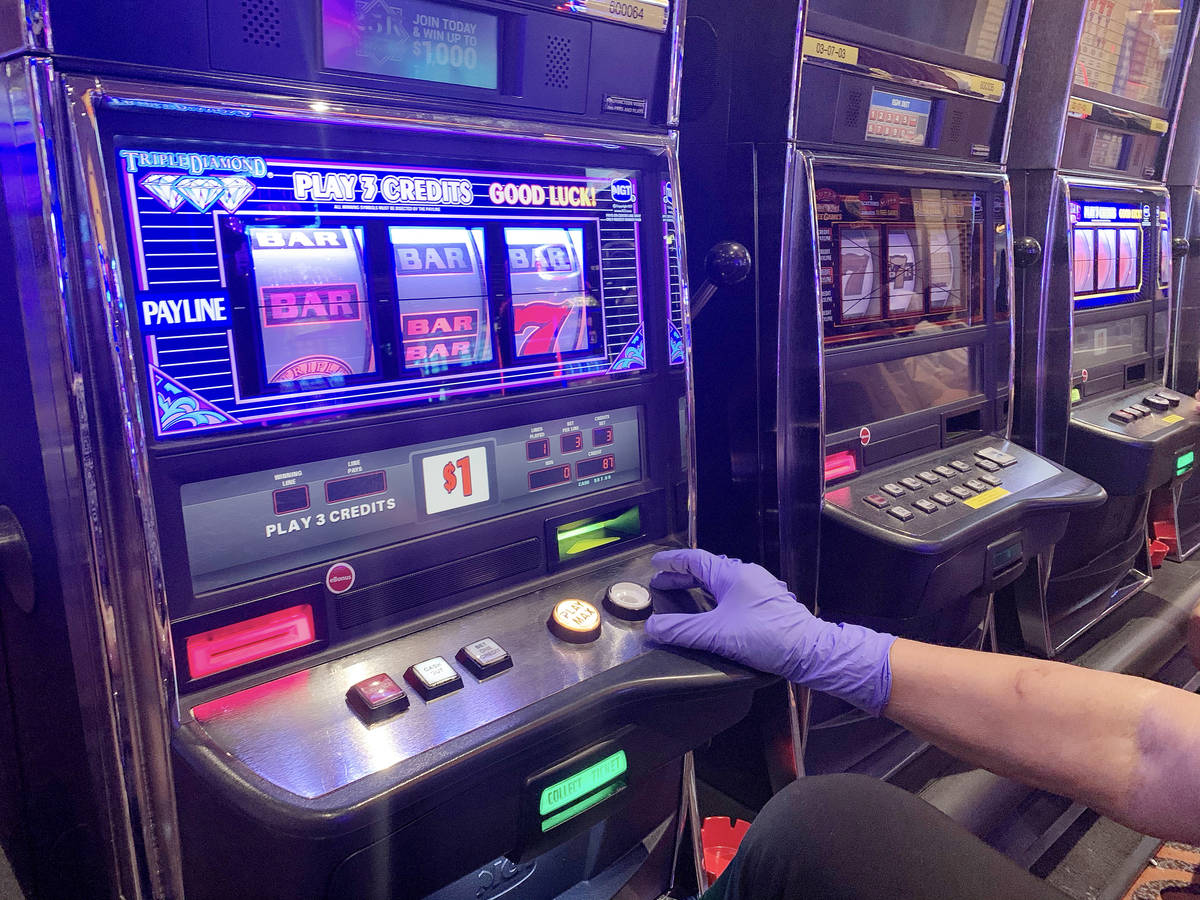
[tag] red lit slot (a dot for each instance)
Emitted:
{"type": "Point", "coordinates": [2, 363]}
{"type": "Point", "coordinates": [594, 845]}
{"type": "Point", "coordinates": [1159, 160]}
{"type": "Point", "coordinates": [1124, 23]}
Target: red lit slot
{"type": "Point", "coordinates": [840, 464]}
{"type": "Point", "coordinates": [235, 645]}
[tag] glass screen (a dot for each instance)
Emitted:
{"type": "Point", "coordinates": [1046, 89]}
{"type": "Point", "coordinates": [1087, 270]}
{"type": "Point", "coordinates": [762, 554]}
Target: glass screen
{"type": "Point", "coordinates": [969, 27]}
{"type": "Point", "coordinates": [898, 261]}
{"type": "Point", "coordinates": [268, 290]}
{"type": "Point", "coordinates": [1107, 148]}
{"type": "Point", "coordinates": [897, 118]}
{"type": "Point", "coordinates": [415, 39]}
{"type": "Point", "coordinates": [1127, 48]}
{"type": "Point", "coordinates": [1108, 342]}
{"type": "Point", "coordinates": [879, 391]}
{"type": "Point", "coordinates": [1107, 246]}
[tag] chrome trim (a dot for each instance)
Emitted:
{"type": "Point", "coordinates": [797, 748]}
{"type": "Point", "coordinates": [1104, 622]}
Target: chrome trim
{"type": "Point", "coordinates": [878, 74]}
{"type": "Point", "coordinates": [672, 158]}
{"type": "Point", "coordinates": [689, 815]}
{"type": "Point", "coordinates": [797, 68]}
{"type": "Point", "coordinates": [25, 28]}
{"type": "Point", "coordinates": [1010, 276]}
{"type": "Point", "coordinates": [678, 26]}
{"type": "Point", "coordinates": [1014, 82]}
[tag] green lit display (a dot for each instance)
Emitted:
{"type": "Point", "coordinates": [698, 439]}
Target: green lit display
{"type": "Point", "coordinates": [597, 531]}
{"type": "Point", "coordinates": [1184, 462]}
{"type": "Point", "coordinates": [570, 790]}
{"type": "Point", "coordinates": [576, 808]}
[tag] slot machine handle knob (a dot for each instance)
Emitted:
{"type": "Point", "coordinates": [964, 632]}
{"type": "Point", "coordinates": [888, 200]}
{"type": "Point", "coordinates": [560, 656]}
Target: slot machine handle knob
{"type": "Point", "coordinates": [1026, 252]}
{"type": "Point", "coordinates": [16, 564]}
{"type": "Point", "coordinates": [1180, 247]}
{"type": "Point", "coordinates": [726, 264]}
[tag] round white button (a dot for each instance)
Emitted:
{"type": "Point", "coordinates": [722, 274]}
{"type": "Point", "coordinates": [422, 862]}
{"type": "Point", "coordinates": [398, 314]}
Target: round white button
{"type": "Point", "coordinates": [628, 600]}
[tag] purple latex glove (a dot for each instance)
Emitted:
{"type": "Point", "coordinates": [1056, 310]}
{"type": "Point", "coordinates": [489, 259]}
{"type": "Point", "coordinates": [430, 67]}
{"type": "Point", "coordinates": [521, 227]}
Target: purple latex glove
{"type": "Point", "coordinates": [759, 623]}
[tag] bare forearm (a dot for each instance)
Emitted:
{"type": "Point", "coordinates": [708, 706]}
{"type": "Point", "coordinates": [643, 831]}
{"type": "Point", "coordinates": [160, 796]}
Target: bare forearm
{"type": "Point", "coordinates": [1097, 737]}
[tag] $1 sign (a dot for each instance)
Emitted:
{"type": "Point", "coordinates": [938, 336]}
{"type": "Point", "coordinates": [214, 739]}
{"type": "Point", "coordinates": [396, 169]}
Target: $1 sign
{"type": "Point", "coordinates": [450, 479]}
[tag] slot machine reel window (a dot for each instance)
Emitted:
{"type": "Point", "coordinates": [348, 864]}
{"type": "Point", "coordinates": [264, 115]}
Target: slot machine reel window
{"type": "Point", "coordinates": [1108, 342]}
{"type": "Point", "coordinates": [1127, 48]}
{"type": "Point", "coordinates": [555, 313]}
{"type": "Point", "coordinates": [442, 297]}
{"type": "Point", "coordinates": [899, 262]}
{"type": "Point", "coordinates": [309, 294]}
{"type": "Point", "coordinates": [1106, 253]}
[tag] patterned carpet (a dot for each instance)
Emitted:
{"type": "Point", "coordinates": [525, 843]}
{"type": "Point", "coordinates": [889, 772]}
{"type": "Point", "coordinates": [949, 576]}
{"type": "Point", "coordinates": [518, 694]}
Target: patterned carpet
{"type": "Point", "coordinates": [1173, 874]}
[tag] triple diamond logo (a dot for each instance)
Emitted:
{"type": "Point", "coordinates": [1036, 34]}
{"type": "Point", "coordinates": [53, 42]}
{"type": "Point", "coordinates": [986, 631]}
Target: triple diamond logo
{"type": "Point", "coordinates": [380, 20]}
{"type": "Point", "coordinates": [202, 192]}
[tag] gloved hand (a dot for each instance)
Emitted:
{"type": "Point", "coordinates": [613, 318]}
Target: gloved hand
{"type": "Point", "coordinates": [759, 623]}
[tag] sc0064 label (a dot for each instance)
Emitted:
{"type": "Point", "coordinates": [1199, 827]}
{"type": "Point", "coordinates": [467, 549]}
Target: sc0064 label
{"type": "Point", "coordinates": [650, 14]}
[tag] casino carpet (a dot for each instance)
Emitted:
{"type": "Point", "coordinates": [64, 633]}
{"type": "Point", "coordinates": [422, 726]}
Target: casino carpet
{"type": "Point", "coordinates": [1172, 874]}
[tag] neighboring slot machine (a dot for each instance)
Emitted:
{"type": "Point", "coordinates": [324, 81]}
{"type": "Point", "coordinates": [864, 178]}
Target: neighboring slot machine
{"type": "Point", "coordinates": [1175, 510]}
{"type": "Point", "coordinates": [879, 194]}
{"type": "Point", "coordinates": [383, 407]}
{"type": "Point", "coordinates": [1094, 316]}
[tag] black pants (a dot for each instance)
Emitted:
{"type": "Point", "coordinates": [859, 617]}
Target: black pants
{"type": "Point", "coordinates": [853, 837]}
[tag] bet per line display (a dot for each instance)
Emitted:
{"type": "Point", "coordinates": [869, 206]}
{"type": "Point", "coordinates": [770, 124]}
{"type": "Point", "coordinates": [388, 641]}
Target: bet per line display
{"type": "Point", "coordinates": [258, 524]}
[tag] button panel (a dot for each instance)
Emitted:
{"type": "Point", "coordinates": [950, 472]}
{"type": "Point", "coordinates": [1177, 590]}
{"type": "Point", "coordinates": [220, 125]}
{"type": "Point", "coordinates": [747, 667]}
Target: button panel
{"type": "Point", "coordinates": [945, 471]}
{"type": "Point", "coordinates": [926, 506]}
{"type": "Point", "coordinates": [960, 465]}
{"type": "Point", "coordinates": [893, 489]}
{"type": "Point", "coordinates": [944, 499]}
{"type": "Point", "coordinates": [991, 479]}
{"type": "Point", "coordinates": [899, 512]}
{"type": "Point", "coordinates": [928, 477]}
{"type": "Point", "coordinates": [961, 492]}
{"type": "Point", "coordinates": [913, 484]}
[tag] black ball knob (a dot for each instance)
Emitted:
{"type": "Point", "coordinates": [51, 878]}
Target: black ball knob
{"type": "Point", "coordinates": [1026, 252]}
{"type": "Point", "coordinates": [727, 263]}
{"type": "Point", "coordinates": [1180, 247]}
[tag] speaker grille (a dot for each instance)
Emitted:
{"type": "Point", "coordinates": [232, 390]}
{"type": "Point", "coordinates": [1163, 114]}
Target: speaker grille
{"type": "Point", "coordinates": [426, 585]}
{"type": "Point", "coordinates": [954, 131]}
{"type": "Point", "coordinates": [558, 61]}
{"type": "Point", "coordinates": [852, 108]}
{"type": "Point", "coordinates": [260, 23]}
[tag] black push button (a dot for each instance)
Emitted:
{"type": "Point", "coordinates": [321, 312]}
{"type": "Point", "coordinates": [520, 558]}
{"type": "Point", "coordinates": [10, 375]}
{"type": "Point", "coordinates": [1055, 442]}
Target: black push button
{"type": "Point", "coordinates": [484, 658]}
{"type": "Point", "coordinates": [987, 465]}
{"type": "Point", "coordinates": [926, 506]}
{"type": "Point", "coordinates": [960, 465]}
{"type": "Point", "coordinates": [376, 698]}
{"type": "Point", "coordinates": [900, 513]}
{"type": "Point", "coordinates": [945, 471]}
{"type": "Point", "coordinates": [1133, 412]}
{"type": "Point", "coordinates": [943, 498]}
{"type": "Point", "coordinates": [961, 492]}
{"type": "Point", "coordinates": [1173, 399]}
{"type": "Point", "coordinates": [912, 483]}
{"type": "Point", "coordinates": [1121, 417]}
{"type": "Point", "coordinates": [892, 488]}
{"type": "Point", "coordinates": [999, 457]}
{"type": "Point", "coordinates": [878, 501]}
{"type": "Point", "coordinates": [928, 477]}
{"type": "Point", "coordinates": [433, 678]}
{"type": "Point", "coordinates": [978, 484]}
{"type": "Point", "coordinates": [1139, 408]}
{"type": "Point", "coordinates": [991, 479]}
{"type": "Point", "coordinates": [1156, 403]}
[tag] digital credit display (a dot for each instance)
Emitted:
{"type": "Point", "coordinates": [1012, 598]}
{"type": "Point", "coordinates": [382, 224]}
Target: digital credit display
{"type": "Point", "coordinates": [413, 39]}
{"type": "Point", "coordinates": [897, 118]}
{"type": "Point", "coordinates": [258, 524]}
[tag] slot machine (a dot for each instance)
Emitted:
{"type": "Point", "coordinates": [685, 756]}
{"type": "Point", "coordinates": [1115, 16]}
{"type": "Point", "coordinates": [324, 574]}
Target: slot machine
{"type": "Point", "coordinates": [861, 164]}
{"type": "Point", "coordinates": [1094, 303]}
{"type": "Point", "coordinates": [1175, 510]}
{"type": "Point", "coordinates": [349, 348]}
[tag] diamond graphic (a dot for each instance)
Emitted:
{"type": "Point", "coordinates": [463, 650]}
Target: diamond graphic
{"type": "Point", "coordinates": [237, 189]}
{"type": "Point", "coordinates": [201, 191]}
{"type": "Point", "coordinates": [162, 186]}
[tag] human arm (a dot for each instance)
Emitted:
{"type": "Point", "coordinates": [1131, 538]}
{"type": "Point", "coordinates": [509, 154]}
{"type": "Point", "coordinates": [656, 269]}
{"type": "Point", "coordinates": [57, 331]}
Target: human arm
{"type": "Point", "coordinates": [1128, 747]}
